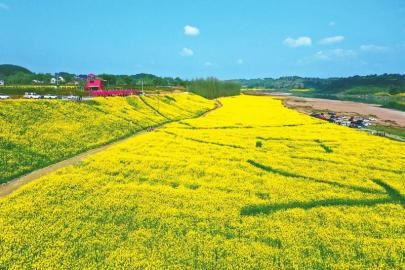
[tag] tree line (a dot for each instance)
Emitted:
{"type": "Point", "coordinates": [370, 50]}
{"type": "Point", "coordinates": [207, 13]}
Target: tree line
{"type": "Point", "coordinates": [392, 83]}
{"type": "Point", "coordinates": [213, 88]}
{"type": "Point", "coordinates": [209, 88]}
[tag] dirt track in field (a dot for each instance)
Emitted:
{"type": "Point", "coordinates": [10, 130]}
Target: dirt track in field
{"type": "Point", "coordinates": [11, 186]}
{"type": "Point", "coordinates": [384, 116]}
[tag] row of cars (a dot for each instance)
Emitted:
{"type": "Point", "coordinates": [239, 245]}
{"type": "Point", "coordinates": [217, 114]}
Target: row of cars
{"type": "Point", "coordinates": [32, 95]}
{"type": "Point", "coordinates": [4, 96]}
{"type": "Point", "coordinates": [350, 121]}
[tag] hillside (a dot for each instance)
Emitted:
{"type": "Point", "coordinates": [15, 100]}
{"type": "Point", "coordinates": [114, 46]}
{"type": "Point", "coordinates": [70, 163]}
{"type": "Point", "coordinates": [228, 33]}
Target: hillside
{"type": "Point", "coordinates": [387, 90]}
{"type": "Point", "coordinates": [34, 134]}
{"type": "Point", "coordinates": [7, 70]}
{"type": "Point", "coordinates": [392, 83]}
{"type": "Point", "coordinates": [251, 185]}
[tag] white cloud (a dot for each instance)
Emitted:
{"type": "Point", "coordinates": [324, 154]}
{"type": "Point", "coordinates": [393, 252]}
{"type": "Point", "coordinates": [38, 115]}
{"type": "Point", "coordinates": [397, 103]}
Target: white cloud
{"type": "Point", "coordinates": [301, 41]}
{"type": "Point", "coordinates": [186, 52]}
{"type": "Point", "coordinates": [331, 40]}
{"type": "Point", "coordinates": [191, 30]}
{"type": "Point", "coordinates": [239, 61]}
{"type": "Point", "coordinates": [208, 64]}
{"type": "Point", "coordinates": [336, 54]}
{"type": "Point", "coordinates": [332, 23]}
{"type": "Point", "coordinates": [342, 53]}
{"type": "Point", "coordinates": [3, 6]}
{"type": "Point", "coordinates": [322, 56]}
{"type": "Point", "coordinates": [373, 48]}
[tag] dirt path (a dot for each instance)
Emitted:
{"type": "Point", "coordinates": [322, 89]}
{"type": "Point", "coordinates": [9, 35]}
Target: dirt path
{"type": "Point", "coordinates": [384, 116]}
{"type": "Point", "coordinates": [11, 186]}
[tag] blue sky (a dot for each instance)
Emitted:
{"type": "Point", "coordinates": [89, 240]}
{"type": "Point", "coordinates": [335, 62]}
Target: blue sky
{"type": "Point", "coordinates": [227, 39]}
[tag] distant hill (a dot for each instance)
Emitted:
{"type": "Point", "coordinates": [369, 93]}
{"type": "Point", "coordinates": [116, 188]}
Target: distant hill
{"type": "Point", "coordinates": [390, 83]}
{"type": "Point", "coordinates": [386, 89]}
{"type": "Point", "coordinates": [7, 70]}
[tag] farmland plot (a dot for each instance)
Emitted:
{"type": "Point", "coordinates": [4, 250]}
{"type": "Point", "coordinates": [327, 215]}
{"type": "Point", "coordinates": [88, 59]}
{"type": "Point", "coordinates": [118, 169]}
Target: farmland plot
{"type": "Point", "coordinates": [34, 134]}
{"type": "Point", "coordinates": [252, 185]}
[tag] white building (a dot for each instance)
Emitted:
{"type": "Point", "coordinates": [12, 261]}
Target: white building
{"type": "Point", "coordinates": [1, 82]}
{"type": "Point", "coordinates": [60, 80]}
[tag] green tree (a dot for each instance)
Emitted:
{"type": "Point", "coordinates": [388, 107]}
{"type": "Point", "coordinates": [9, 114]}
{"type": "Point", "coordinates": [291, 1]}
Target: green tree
{"type": "Point", "coordinates": [213, 88]}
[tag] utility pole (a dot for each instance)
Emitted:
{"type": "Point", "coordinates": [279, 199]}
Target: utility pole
{"type": "Point", "coordinates": [56, 79]}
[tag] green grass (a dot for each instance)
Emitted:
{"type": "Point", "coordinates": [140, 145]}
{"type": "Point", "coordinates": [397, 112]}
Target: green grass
{"type": "Point", "coordinates": [364, 90]}
{"type": "Point", "coordinates": [395, 104]}
{"type": "Point", "coordinates": [398, 131]}
{"type": "Point", "coordinates": [255, 89]}
{"type": "Point", "coordinates": [301, 90]}
{"type": "Point", "coordinates": [382, 94]}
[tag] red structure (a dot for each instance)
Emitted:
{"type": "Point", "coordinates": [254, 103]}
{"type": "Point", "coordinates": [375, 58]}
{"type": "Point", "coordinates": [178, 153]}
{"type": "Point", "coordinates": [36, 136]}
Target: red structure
{"type": "Point", "coordinates": [93, 83]}
{"type": "Point", "coordinates": [95, 86]}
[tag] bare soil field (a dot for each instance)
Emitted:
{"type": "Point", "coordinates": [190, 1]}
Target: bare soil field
{"type": "Point", "coordinates": [383, 116]}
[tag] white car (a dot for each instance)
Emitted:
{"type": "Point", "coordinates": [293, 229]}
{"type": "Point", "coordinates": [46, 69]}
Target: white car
{"type": "Point", "coordinates": [4, 96]}
{"type": "Point", "coordinates": [72, 97]}
{"type": "Point", "coordinates": [31, 95]}
{"type": "Point", "coordinates": [49, 96]}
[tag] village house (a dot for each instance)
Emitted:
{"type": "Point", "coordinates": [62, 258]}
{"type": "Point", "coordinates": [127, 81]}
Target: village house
{"type": "Point", "coordinates": [54, 80]}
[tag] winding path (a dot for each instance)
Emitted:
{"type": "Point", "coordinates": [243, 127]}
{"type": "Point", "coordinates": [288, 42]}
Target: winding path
{"type": "Point", "coordinates": [12, 185]}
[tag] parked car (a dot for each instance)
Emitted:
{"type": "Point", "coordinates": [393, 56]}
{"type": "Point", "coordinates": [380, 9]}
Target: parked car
{"type": "Point", "coordinates": [366, 122]}
{"type": "Point", "coordinates": [4, 96]}
{"type": "Point", "coordinates": [49, 96]}
{"type": "Point", "coordinates": [357, 123]}
{"type": "Point", "coordinates": [74, 98]}
{"type": "Point", "coordinates": [319, 116]}
{"type": "Point", "coordinates": [31, 95]}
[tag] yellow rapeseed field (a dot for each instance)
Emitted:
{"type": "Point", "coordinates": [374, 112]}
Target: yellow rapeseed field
{"type": "Point", "coordinates": [252, 185]}
{"type": "Point", "coordinates": [35, 133]}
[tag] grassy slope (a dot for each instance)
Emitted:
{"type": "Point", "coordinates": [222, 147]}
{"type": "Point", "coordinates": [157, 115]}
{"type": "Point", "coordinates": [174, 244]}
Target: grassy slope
{"type": "Point", "coordinates": [199, 194]}
{"type": "Point", "coordinates": [34, 134]}
{"type": "Point", "coordinates": [374, 95]}
{"type": "Point", "coordinates": [7, 69]}
{"type": "Point", "coordinates": [398, 131]}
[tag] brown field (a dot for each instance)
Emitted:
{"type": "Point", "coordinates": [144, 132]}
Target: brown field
{"type": "Point", "coordinates": [383, 116]}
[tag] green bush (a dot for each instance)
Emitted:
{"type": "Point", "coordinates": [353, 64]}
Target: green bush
{"type": "Point", "coordinates": [395, 104]}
